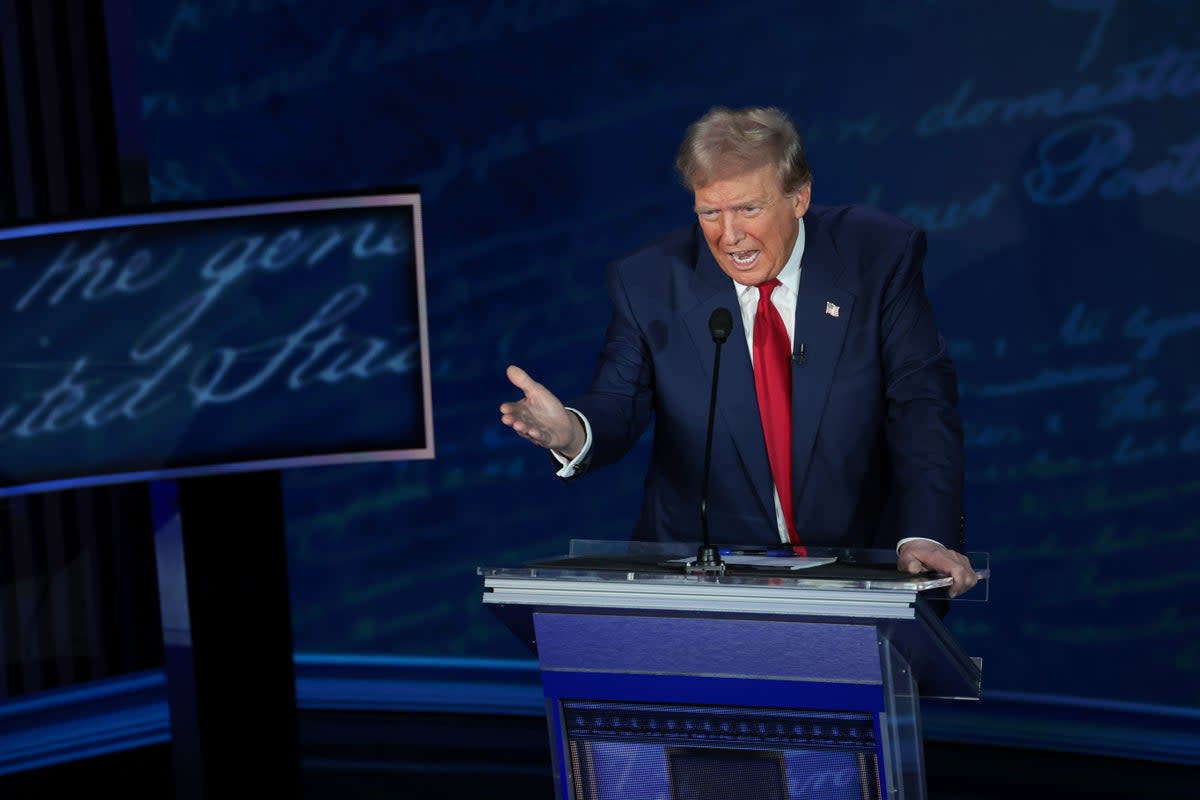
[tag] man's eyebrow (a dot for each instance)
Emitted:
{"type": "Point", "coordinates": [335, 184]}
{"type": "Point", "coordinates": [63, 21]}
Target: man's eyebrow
{"type": "Point", "coordinates": [752, 203]}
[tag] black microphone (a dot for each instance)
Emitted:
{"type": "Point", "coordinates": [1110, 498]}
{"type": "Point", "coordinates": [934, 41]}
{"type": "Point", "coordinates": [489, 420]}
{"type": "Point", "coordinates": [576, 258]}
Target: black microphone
{"type": "Point", "coordinates": [708, 558]}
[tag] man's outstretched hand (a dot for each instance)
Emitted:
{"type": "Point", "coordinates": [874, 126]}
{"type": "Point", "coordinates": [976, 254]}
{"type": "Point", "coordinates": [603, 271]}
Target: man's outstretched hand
{"type": "Point", "coordinates": [923, 555]}
{"type": "Point", "coordinates": [540, 417]}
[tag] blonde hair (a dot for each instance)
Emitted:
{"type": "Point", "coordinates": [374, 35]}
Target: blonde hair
{"type": "Point", "coordinates": [728, 141]}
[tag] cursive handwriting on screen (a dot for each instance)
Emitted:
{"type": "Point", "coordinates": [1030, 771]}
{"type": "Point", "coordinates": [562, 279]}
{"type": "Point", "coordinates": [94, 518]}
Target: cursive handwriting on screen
{"type": "Point", "coordinates": [157, 327]}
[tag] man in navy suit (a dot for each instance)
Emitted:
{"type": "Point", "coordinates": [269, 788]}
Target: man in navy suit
{"type": "Point", "coordinates": [871, 449]}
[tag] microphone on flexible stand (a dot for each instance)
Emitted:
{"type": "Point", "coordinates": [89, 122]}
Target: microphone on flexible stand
{"type": "Point", "coordinates": [708, 558]}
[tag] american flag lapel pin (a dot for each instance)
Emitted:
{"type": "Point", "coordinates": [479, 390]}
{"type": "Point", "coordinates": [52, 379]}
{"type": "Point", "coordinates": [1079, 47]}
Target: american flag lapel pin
{"type": "Point", "coordinates": [831, 309]}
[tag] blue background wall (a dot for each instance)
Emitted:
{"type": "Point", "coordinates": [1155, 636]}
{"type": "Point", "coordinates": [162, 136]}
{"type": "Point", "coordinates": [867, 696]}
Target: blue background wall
{"type": "Point", "coordinates": [1051, 148]}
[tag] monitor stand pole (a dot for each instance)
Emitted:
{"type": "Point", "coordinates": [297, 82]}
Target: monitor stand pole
{"type": "Point", "coordinates": [226, 615]}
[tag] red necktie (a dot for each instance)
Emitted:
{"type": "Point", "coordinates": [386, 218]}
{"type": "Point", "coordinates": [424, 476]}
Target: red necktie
{"type": "Point", "coordinates": [773, 385]}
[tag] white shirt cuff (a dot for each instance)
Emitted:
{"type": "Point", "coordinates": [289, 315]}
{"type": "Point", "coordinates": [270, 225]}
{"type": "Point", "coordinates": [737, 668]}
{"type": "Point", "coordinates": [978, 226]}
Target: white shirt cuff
{"type": "Point", "coordinates": [569, 465]}
{"type": "Point", "coordinates": [900, 543]}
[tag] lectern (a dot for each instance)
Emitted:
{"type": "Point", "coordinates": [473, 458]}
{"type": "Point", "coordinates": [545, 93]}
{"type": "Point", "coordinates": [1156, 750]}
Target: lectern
{"type": "Point", "coordinates": [767, 681]}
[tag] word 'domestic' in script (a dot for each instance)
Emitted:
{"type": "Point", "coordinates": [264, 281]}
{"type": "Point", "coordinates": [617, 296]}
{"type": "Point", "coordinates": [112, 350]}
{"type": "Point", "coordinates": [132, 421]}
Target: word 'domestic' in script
{"type": "Point", "coordinates": [183, 339]}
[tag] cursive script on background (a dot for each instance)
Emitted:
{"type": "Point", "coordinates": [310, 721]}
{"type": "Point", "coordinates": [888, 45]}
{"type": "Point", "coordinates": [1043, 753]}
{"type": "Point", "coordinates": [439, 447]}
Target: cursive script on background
{"type": "Point", "coordinates": [1062, 166]}
{"type": "Point", "coordinates": [129, 337]}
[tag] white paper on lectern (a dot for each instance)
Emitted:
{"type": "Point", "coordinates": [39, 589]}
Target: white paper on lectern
{"type": "Point", "coordinates": [774, 562]}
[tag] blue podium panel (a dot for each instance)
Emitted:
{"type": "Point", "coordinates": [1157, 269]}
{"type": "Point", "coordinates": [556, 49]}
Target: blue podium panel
{"type": "Point", "coordinates": [678, 706]}
{"type": "Point", "coordinates": [713, 646]}
{"type": "Point", "coordinates": [660, 683]}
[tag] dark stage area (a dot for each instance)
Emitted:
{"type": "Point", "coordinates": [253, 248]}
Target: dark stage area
{"type": "Point", "coordinates": [354, 756]}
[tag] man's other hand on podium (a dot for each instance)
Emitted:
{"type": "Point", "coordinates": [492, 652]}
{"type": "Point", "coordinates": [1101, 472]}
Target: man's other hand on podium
{"type": "Point", "coordinates": [924, 555]}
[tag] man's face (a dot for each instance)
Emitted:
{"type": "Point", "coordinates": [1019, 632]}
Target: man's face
{"type": "Point", "coordinates": [749, 223]}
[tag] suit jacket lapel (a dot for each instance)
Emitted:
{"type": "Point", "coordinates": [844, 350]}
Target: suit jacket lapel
{"type": "Point", "coordinates": [823, 314]}
{"type": "Point", "coordinates": [737, 405]}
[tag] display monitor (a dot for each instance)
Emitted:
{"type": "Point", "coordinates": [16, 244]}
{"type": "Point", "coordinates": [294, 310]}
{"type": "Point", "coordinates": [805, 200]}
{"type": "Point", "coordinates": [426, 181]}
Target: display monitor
{"type": "Point", "coordinates": [713, 752]}
{"type": "Point", "coordinates": [208, 338]}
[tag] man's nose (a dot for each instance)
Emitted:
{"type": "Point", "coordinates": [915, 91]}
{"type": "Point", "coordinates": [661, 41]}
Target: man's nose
{"type": "Point", "coordinates": [731, 231]}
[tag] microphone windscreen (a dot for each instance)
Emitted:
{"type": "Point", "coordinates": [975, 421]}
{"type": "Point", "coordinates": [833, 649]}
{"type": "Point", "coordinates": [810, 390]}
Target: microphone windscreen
{"type": "Point", "coordinates": [720, 324]}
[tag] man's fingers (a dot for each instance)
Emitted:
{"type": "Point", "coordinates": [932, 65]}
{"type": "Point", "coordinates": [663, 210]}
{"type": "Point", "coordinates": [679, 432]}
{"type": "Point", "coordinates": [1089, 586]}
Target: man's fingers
{"type": "Point", "coordinates": [958, 567]}
{"type": "Point", "coordinates": [964, 578]}
{"type": "Point", "coordinates": [521, 379]}
{"type": "Point", "coordinates": [921, 557]}
{"type": "Point", "coordinates": [512, 412]}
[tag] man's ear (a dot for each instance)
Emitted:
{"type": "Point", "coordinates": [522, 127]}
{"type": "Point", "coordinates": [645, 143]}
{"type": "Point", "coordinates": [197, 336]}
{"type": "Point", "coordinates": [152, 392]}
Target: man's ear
{"type": "Point", "coordinates": [801, 199]}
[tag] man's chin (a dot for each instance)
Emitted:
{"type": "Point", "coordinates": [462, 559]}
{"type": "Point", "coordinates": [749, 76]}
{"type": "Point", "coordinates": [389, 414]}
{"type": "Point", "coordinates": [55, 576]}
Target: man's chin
{"type": "Point", "coordinates": [747, 277]}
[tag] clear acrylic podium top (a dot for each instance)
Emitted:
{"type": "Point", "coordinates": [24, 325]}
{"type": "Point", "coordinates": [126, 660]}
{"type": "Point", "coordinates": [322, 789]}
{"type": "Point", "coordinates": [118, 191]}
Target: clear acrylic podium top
{"type": "Point", "coordinates": [863, 570]}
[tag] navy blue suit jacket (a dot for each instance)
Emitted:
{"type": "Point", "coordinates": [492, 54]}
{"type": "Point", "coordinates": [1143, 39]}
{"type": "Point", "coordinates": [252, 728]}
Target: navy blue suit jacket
{"type": "Point", "coordinates": [876, 436]}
